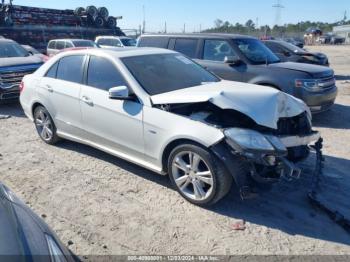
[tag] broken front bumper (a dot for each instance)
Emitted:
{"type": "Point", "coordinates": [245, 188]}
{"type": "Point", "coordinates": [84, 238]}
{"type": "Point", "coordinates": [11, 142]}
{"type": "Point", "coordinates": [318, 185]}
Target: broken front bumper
{"type": "Point", "coordinates": [265, 166]}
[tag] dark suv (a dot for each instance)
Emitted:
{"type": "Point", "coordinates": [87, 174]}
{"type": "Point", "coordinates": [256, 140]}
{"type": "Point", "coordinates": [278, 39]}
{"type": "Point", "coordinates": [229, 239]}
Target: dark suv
{"type": "Point", "coordinates": [247, 59]}
{"type": "Point", "coordinates": [15, 62]}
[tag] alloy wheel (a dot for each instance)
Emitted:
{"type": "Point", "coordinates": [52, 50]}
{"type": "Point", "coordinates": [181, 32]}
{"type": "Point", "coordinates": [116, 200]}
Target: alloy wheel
{"type": "Point", "coordinates": [192, 176]}
{"type": "Point", "coordinates": [44, 125]}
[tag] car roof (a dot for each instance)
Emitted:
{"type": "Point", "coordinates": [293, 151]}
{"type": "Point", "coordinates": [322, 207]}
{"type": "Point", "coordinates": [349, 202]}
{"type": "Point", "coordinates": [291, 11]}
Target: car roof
{"type": "Point", "coordinates": [113, 36]}
{"type": "Point", "coordinates": [202, 35]}
{"type": "Point", "coordinates": [68, 39]}
{"type": "Point", "coordinates": [120, 52]}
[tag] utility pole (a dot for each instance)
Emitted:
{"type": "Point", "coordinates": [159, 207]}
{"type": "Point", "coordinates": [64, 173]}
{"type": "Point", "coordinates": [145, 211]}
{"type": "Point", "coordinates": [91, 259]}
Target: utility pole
{"type": "Point", "coordinates": [200, 28]}
{"type": "Point", "coordinates": [144, 20]}
{"type": "Point", "coordinates": [184, 31]}
{"type": "Point", "coordinates": [279, 7]}
{"type": "Point", "coordinates": [165, 28]}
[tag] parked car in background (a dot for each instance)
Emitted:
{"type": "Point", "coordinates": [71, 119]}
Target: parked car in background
{"type": "Point", "coordinates": [115, 41]}
{"type": "Point", "coordinates": [295, 41]}
{"type": "Point", "coordinates": [247, 59]}
{"type": "Point", "coordinates": [287, 52]}
{"type": "Point", "coordinates": [54, 46]}
{"type": "Point", "coordinates": [15, 62]}
{"type": "Point", "coordinates": [35, 52]}
{"type": "Point", "coordinates": [24, 236]}
{"type": "Point", "coordinates": [331, 38]}
{"type": "Point", "coordinates": [203, 131]}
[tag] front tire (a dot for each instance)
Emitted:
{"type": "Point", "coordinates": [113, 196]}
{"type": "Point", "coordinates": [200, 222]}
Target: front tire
{"type": "Point", "coordinates": [45, 126]}
{"type": "Point", "coordinates": [198, 175]}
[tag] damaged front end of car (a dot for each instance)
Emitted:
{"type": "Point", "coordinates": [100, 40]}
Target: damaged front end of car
{"type": "Point", "coordinates": [267, 157]}
{"type": "Point", "coordinates": [266, 131]}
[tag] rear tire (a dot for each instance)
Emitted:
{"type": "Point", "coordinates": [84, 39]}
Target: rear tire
{"type": "Point", "coordinates": [198, 175]}
{"type": "Point", "coordinates": [45, 126]}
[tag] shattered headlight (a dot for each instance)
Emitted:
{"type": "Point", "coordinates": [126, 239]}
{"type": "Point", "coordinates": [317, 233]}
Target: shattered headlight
{"type": "Point", "coordinates": [246, 139]}
{"type": "Point", "coordinates": [250, 140]}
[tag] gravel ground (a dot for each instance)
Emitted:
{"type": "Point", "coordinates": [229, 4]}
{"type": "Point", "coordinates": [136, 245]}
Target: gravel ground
{"type": "Point", "coordinates": [105, 205]}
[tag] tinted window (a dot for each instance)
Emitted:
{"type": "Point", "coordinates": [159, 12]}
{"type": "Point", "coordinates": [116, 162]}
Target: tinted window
{"type": "Point", "coordinates": [70, 69]}
{"type": "Point", "coordinates": [60, 45]}
{"type": "Point", "coordinates": [69, 45]}
{"type": "Point", "coordinates": [103, 74]}
{"type": "Point", "coordinates": [128, 42]}
{"type": "Point", "coordinates": [52, 71]}
{"type": "Point", "coordinates": [82, 43]}
{"type": "Point", "coordinates": [109, 42]}
{"type": "Point", "coordinates": [163, 73]}
{"type": "Point", "coordinates": [52, 45]}
{"type": "Point", "coordinates": [187, 47]}
{"type": "Point", "coordinates": [255, 51]}
{"type": "Point", "coordinates": [161, 42]}
{"type": "Point", "coordinates": [217, 50]}
{"type": "Point", "coordinates": [274, 47]}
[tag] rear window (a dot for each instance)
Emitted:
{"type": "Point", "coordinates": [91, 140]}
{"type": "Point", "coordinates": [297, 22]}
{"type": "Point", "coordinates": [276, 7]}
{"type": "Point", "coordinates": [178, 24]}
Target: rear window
{"type": "Point", "coordinates": [84, 44]}
{"type": "Point", "coordinates": [187, 47]}
{"type": "Point", "coordinates": [70, 69]}
{"type": "Point", "coordinates": [60, 45]}
{"type": "Point", "coordinates": [160, 42]}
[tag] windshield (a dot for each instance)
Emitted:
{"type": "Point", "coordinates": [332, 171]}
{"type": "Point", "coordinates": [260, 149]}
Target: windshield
{"type": "Point", "coordinates": [255, 51]}
{"type": "Point", "coordinates": [162, 73]}
{"type": "Point", "coordinates": [84, 44]}
{"type": "Point", "coordinates": [12, 49]}
{"type": "Point", "coordinates": [128, 41]}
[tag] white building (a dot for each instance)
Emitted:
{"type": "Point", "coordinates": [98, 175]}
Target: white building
{"type": "Point", "coordinates": [344, 31]}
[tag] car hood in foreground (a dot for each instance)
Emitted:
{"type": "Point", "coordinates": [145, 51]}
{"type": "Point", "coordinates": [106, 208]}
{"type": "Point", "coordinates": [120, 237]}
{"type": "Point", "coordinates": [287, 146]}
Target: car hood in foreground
{"type": "Point", "coordinates": [313, 70]}
{"type": "Point", "coordinates": [264, 105]}
{"type": "Point", "coordinates": [17, 61]}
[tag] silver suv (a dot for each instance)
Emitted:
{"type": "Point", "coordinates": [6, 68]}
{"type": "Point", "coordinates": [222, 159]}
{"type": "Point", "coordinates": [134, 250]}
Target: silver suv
{"type": "Point", "coordinates": [55, 46]}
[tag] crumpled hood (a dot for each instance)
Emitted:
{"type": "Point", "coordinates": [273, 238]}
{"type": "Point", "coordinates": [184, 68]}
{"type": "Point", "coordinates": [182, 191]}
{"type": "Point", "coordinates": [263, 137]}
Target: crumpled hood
{"type": "Point", "coordinates": [17, 61]}
{"type": "Point", "coordinates": [264, 105]}
{"type": "Point", "coordinates": [315, 71]}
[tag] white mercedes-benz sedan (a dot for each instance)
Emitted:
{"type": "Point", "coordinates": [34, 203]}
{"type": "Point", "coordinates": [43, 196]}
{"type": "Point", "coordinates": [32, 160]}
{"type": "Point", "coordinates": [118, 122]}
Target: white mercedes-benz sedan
{"type": "Point", "coordinates": [161, 110]}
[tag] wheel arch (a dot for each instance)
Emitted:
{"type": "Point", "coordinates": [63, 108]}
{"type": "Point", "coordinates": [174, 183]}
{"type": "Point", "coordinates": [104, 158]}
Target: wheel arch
{"type": "Point", "coordinates": [174, 143]}
{"type": "Point", "coordinates": [269, 85]}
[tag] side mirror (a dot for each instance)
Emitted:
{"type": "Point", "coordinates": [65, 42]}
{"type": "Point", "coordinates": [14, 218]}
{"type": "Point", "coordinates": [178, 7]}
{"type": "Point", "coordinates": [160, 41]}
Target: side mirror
{"type": "Point", "coordinates": [119, 93]}
{"type": "Point", "coordinates": [232, 60]}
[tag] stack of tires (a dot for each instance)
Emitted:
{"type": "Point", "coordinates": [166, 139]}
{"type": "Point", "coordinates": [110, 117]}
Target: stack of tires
{"type": "Point", "coordinates": [98, 17]}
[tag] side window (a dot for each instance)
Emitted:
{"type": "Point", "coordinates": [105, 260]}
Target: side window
{"type": "Point", "coordinates": [52, 72]}
{"type": "Point", "coordinates": [217, 50]}
{"type": "Point", "coordinates": [60, 45]}
{"type": "Point", "coordinates": [69, 45]}
{"type": "Point", "coordinates": [70, 69]}
{"type": "Point", "coordinates": [160, 42]}
{"type": "Point", "coordinates": [52, 45]}
{"type": "Point", "coordinates": [187, 47]}
{"type": "Point", "coordinates": [103, 74]}
{"type": "Point", "coordinates": [274, 48]}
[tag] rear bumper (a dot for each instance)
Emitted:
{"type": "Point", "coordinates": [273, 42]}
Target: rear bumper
{"type": "Point", "coordinates": [320, 101]}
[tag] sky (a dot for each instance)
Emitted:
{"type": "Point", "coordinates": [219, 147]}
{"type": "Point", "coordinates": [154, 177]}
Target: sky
{"type": "Point", "coordinates": [198, 14]}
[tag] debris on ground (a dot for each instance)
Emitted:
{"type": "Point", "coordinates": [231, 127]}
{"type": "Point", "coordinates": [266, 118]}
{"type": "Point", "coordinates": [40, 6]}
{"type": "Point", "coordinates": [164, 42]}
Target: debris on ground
{"type": "Point", "coordinates": [239, 226]}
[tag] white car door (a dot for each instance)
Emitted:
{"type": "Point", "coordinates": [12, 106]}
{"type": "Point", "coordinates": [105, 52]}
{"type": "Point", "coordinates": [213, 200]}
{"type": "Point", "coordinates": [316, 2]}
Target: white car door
{"type": "Point", "coordinates": [112, 124]}
{"type": "Point", "coordinates": [59, 91]}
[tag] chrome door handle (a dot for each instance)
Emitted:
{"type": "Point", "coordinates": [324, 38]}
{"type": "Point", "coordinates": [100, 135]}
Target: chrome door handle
{"type": "Point", "coordinates": [49, 88]}
{"type": "Point", "coordinates": [87, 100]}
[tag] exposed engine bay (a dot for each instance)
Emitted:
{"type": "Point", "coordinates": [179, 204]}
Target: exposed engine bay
{"type": "Point", "coordinates": [290, 143]}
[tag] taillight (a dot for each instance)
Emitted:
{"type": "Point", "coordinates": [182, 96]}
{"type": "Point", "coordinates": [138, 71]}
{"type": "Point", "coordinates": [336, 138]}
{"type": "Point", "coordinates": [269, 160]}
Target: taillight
{"type": "Point", "coordinates": [21, 87]}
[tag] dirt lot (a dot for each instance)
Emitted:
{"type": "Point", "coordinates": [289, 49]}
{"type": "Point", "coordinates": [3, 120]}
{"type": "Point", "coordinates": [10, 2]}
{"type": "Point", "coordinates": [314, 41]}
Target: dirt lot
{"type": "Point", "coordinates": [108, 206]}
